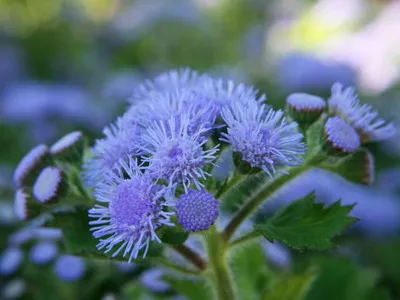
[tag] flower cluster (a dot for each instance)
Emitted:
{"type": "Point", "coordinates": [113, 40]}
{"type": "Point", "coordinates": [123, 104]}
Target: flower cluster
{"type": "Point", "coordinates": [153, 163]}
{"type": "Point", "coordinates": [349, 123]}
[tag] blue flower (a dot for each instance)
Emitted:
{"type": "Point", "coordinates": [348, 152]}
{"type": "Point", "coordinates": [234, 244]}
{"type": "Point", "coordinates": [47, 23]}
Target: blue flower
{"type": "Point", "coordinates": [170, 81]}
{"type": "Point", "coordinates": [264, 138]}
{"type": "Point", "coordinates": [10, 261]}
{"type": "Point", "coordinates": [20, 204]}
{"type": "Point", "coordinates": [119, 143]}
{"type": "Point", "coordinates": [49, 185]}
{"type": "Point", "coordinates": [344, 102]}
{"type": "Point", "coordinates": [135, 208]}
{"type": "Point", "coordinates": [197, 210]}
{"type": "Point", "coordinates": [66, 142]}
{"type": "Point", "coordinates": [176, 154]}
{"type": "Point", "coordinates": [342, 136]}
{"type": "Point", "coordinates": [163, 106]}
{"type": "Point", "coordinates": [70, 268]}
{"type": "Point", "coordinates": [43, 253]}
{"type": "Point", "coordinates": [29, 164]}
{"type": "Point", "coordinates": [303, 102]}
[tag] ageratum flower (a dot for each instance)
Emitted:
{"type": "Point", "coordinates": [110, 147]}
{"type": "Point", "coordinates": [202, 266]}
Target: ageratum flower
{"type": "Point", "coordinates": [43, 253]}
{"type": "Point", "coordinates": [170, 81]}
{"type": "Point", "coordinates": [29, 164]}
{"type": "Point", "coordinates": [341, 136]}
{"type": "Point", "coordinates": [263, 138]}
{"type": "Point", "coordinates": [177, 155]}
{"type": "Point", "coordinates": [344, 102]}
{"type": "Point", "coordinates": [134, 208]}
{"type": "Point", "coordinates": [69, 268]}
{"type": "Point", "coordinates": [50, 185]}
{"type": "Point", "coordinates": [197, 210]}
{"type": "Point", "coordinates": [20, 204]}
{"type": "Point", "coordinates": [163, 106]}
{"type": "Point", "coordinates": [66, 142]}
{"type": "Point", "coordinates": [119, 143]}
{"type": "Point", "coordinates": [305, 108]}
{"type": "Point", "coordinates": [10, 261]}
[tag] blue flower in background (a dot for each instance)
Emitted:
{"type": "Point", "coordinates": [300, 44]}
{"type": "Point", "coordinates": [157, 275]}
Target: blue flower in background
{"type": "Point", "coordinates": [344, 102]}
{"type": "Point", "coordinates": [134, 211]}
{"type": "Point", "coordinates": [69, 268]}
{"type": "Point", "coordinates": [197, 210]}
{"type": "Point", "coordinates": [176, 154]}
{"type": "Point", "coordinates": [264, 138]}
{"type": "Point", "coordinates": [43, 252]}
{"type": "Point", "coordinates": [10, 261]}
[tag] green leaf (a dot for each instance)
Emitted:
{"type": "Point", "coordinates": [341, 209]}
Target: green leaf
{"type": "Point", "coordinates": [173, 235]}
{"type": "Point", "coordinates": [340, 278]}
{"type": "Point", "coordinates": [307, 224]}
{"type": "Point", "coordinates": [295, 288]}
{"type": "Point", "coordinates": [314, 136]}
{"type": "Point", "coordinates": [193, 289]}
{"type": "Point", "coordinates": [249, 270]}
{"type": "Point", "coordinates": [357, 167]}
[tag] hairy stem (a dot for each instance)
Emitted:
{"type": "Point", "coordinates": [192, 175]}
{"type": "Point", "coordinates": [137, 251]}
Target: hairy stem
{"type": "Point", "coordinates": [244, 239]}
{"type": "Point", "coordinates": [265, 192]}
{"type": "Point", "coordinates": [173, 266]}
{"type": "Point", "coordinates": [191, 256]}
{"type": "Point", "coordinates": [221, 277]}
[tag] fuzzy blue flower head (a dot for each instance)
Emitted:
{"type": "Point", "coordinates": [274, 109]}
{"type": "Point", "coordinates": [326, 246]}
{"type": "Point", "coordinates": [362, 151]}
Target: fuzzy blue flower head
{"type": "Point", "coordinates": [341, 137]}
{"type": "Point", "coordinates": [66, 142]}
{"type": "Point", "coordinates": [344, 103]}
{"type": "Point", "coordinates": [30, 164]}
{"type": "Point", "coordinates": [263, 138]}
{"type": "Point", "coordinates": [305, 108]}
{"type": "Point", "coordinates": [43, 253]}
{"type": "Point", "coordinates": [50, 185]}
{"type": "Point", "coordinates": [20, 204]}
{"type": "Point", "coordinates": [135, 209]}
{"type": "Point", "coordinates": [175, 154]}
{"type": "Point", "coordinates": [119, 143]}
{"type": "Point", "coordinates": [197, 210]}
{"type": "Point", "coordinates": [10, 261]}
{"type": "Point", "coordinates": [69, 268]}
{"type": "Point", "coordinates": [173, 80]}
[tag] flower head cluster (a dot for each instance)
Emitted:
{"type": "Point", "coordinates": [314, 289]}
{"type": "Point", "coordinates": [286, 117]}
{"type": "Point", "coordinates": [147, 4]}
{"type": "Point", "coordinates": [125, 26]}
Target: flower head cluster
{"type": "Point", "coordinates": [264, 138]}
{"type": "Point", "coordinates": [135, 208]}
{"type": "Point", "coordinates": [344, 102]}
{"type": "Point", "coordinates": [69, 268]}
{"type": "Point", "coordinates": [48, 185]}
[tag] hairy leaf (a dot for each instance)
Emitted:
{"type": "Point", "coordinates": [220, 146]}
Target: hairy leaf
{"type": "Point", "coordinates": [307, 224]}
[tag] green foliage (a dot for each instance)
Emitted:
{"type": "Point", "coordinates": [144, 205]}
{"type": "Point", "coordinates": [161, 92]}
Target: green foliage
{"type": "Point", "coordinates": [357, 167]}
{"type": "Point", "coordinates": [249, 271]}
{"type": "Point", "coordinates": [295, 288]}
{"type": "Point", "coordinates": [341, 279]}
{"type": "Point", "coordinates": [173, 235]}
{"type": "Point", "coordinates": [191, 288]}
{"type": "Point", "coordinates": [307, 224]}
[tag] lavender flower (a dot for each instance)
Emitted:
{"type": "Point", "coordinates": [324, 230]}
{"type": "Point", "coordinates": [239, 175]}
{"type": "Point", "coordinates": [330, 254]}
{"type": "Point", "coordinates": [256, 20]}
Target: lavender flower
{"type": "Point", "coordinates": [136, 208]}
{"type": "Point", "coordinates": [118, 144]}
{"type": "Point", "coordinates": [20, 204]}
{"type": "Point", "coordinates": [10, 261]}
{"type": "Point", "coordinates": [43, 253]}
{"type": "Point", "coordinates": [66, 142]}
{"type": "Point", "coordinates": [341, 136]}
{"type": "Point", "coordinates": [173, 104]}
{"type": "Point", "coordinates": [264, 139]}
{"type": "Point", "coordinates": [171, 81]}
{"type": "Point", "coordinates": [70, 268]}
{"type": "Point", "coordinates": [344, 102]}
{"type": "Point", "coordinates": [305, 108]}
{"type": "Point", "coordinates": [176, 154]}
{"type": "Point", "coordinates": [29, 164]}
{"type": "Point", "coordinates": [197, 210]}
{"type": "Point", "coordinates": [49, 185]}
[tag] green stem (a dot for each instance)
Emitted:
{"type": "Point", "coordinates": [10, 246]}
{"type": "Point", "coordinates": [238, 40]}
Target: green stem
{"type": "Point", "coordinates": [233, 181]}
{"type": "Point", "coordinates": [248, 237]}
{"type": "Point", "coordinates": [216, 252]}
{"type": "Point", "coordinates": [265, 192]}
{"type": "Point", "coordinates": [191, 256]}
{"type": "Point", "coordinates": [173, 266]}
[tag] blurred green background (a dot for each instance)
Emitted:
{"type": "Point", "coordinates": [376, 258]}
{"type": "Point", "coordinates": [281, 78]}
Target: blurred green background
{"type": "Point", "coordinates": [72, 64]}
